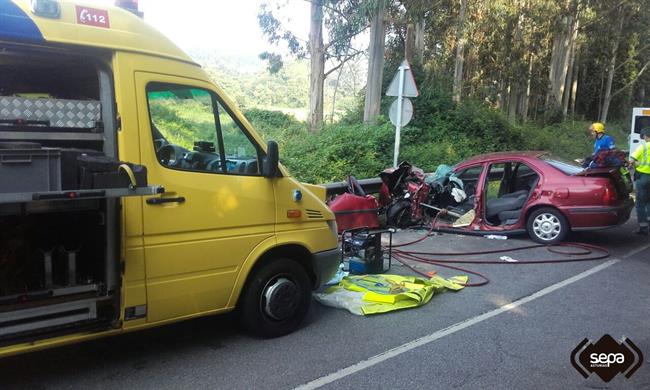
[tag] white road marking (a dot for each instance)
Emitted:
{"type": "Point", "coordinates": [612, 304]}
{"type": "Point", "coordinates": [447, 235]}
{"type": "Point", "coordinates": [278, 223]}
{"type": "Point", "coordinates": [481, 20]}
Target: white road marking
{"type": "Point", "coordinates": [391, 353]}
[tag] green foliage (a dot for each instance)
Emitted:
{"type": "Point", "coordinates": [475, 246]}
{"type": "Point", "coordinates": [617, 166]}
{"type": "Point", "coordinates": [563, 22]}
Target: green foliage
{"type": "Point", "coordinates": [570, 139]}
{"type": "Point", "coordinates": [443, 136]}
{"type": "Point", "coordinates": [339, 150]}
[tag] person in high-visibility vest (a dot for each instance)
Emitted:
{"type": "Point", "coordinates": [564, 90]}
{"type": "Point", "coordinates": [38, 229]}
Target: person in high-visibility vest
{"type": "Point", "coordinates": [640, 159]}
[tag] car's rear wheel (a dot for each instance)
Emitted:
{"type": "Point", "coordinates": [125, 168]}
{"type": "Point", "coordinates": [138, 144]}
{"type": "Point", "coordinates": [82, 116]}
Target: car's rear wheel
{"type": "Point", "coordinates": [547, 226]}
{"type": "Point", "coordinates": [276, 298]}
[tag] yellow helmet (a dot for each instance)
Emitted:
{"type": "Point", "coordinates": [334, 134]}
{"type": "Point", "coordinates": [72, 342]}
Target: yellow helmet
{"type": "Point", "coordinates": [597, 127]}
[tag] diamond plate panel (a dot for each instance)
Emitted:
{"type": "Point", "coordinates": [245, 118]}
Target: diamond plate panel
{"type": "Point", "coordinates": [58, 112]}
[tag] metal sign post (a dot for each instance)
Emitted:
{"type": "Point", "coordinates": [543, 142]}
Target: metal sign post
{"type": "Point", "coordinates": [402, 86]}
{"type": "Point", "coordinates": [398, 124]}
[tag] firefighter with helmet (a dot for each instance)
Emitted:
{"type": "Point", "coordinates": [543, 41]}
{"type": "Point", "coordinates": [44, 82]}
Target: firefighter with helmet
{"type": "Point", "coordinates": [602, 143]}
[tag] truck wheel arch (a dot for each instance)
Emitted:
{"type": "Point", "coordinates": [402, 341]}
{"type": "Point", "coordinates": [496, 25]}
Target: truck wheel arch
{"type": "Point", "coordinates": [264, 254]}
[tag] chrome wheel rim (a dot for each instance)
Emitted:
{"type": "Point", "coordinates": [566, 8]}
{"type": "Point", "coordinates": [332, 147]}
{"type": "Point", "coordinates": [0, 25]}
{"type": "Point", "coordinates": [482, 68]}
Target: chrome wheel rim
{"type": "Point", "coordinates": [547, 226]}
{"type": "Point", "coordinates": [281, 298]}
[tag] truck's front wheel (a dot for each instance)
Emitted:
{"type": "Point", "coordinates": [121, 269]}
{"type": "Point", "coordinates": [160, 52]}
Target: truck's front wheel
{"type": "Point", "coordinates": [276, 298]}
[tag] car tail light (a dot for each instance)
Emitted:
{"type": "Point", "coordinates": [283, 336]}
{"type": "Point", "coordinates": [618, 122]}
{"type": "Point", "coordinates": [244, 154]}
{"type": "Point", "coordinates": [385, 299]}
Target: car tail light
{"type": "Point", "coordinates": [609, 195]}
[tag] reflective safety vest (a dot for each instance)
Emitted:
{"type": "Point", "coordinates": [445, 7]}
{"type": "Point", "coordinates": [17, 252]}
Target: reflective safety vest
{"type": "Point", "coordinates": [373, 294]}
{"type": "Point", "coordinates": [642, 157]}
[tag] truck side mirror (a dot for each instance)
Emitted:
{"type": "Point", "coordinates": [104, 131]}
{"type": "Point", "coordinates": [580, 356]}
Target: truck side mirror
{"type": "Point", "coordinates": [271, 160]}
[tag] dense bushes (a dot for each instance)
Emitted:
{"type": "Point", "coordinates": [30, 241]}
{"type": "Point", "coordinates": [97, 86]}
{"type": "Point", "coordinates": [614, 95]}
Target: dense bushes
{"type": "Point", "coordinates": [331, 155]}
{"type": "Point", "coordinates": [439, 133]}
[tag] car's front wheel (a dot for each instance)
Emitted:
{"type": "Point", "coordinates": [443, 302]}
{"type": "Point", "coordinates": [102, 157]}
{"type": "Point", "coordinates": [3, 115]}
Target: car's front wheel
{"type": "Point", "coordinates": [276, 298]}
{"type": "Point", "coordinates": [547, 226]}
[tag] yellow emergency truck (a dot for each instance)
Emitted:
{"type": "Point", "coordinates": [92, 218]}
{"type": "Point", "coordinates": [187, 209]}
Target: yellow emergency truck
{"type": "Point", "coordinates": [197, 218]}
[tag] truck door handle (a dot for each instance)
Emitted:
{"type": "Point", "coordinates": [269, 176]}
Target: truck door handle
{"type": "Point", "coordinates": [157, 201]}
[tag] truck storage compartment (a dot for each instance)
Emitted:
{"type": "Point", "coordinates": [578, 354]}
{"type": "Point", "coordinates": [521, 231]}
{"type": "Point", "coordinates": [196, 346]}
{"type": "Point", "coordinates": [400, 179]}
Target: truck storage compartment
{"type": "Point", "coordinates": [60, 216]}
{"type": "Point", "coordinates": [52, 271]}
{"type": "Point", "coordinates": [50, 112]}
{"type": "Point", "coordinates": [49, 94]}
{"type": "Point", "coordinates": [45, 251]}
{"type": "Point", "coordinates": [33, 169]}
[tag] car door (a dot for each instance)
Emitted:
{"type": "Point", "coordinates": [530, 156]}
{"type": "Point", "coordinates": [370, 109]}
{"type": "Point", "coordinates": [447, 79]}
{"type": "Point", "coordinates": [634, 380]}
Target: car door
{"type": "Point", "coordinates": [216, 206]}
{"type": "Point", "coordinates": [472, 178]}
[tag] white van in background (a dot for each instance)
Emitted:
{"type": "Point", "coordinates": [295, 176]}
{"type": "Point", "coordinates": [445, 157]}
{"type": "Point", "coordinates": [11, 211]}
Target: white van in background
{"type": "Point", "coordinates": [640, 119]}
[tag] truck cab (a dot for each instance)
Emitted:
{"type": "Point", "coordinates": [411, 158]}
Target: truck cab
{"type": "Point", "coordinates": [203, 219]}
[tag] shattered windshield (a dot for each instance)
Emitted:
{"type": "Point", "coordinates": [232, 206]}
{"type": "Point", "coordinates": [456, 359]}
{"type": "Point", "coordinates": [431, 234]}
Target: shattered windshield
{"type": "Point", "coordinates": [567, 166]}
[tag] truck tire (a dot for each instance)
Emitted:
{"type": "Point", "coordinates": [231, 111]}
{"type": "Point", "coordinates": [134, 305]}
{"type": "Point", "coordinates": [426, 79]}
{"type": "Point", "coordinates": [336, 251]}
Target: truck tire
{"type": "Point", "coordinates": [547, 226]}
{"type": "Point", "coordinates": [276, 298]}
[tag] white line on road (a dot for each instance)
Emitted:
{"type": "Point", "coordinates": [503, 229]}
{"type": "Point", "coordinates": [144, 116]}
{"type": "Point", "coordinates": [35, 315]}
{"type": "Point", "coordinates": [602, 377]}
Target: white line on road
{"type": "Point", "coordinates": [391, 353]}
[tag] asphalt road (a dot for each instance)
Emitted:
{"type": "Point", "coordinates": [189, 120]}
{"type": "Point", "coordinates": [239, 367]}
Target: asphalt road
{"type": "Point", "coordinates": [466, 339]}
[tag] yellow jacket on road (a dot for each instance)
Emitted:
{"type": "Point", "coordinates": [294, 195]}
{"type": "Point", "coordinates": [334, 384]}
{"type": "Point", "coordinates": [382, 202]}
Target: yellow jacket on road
{"type": "Point", "coordinates": [231, 228]}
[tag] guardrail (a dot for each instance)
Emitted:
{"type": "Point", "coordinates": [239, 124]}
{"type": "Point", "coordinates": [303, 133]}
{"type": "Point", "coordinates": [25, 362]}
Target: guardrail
{"type": "Point", "coordinates": [370, 186]}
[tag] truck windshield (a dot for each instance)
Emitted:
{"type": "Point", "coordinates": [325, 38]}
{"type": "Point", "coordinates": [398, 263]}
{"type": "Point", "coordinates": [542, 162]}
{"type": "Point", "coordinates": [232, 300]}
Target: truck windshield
{"type": "Point", "coordinates": [566, 166]}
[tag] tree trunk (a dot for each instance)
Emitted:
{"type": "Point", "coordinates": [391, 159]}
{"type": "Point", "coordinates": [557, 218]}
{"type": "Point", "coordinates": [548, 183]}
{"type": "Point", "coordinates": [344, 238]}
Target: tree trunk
{"type": "Point", "coordinates": [515, 56]}
{"type": "Point", "coordinates": [612, 68]}
{"type": "Point", "coordinates": [560, 61]}
{"type": "Point", "coordinates": [600, 93]}
{"type": "Point", "coordinates": [513, 102]}
{"type": "Point", "coordinates": [375, 66]}
{"type": "Point", "coordinates": [460, 52]}
{"type": "Point", "coordinates": [317, 68]}
{"type": "Point", "coordinates": [569, 82]}
{"type": "Point", "coordinates": [641, 96]}
{"type": "Point", "coordinates": [574, 84]}
{"type": "Point", "coordinates": [502, 94]}
{"type": "Point", "coordinates": [419, 42]}
{"type": "Point", "coordinates": [526, 103]}
{"type": "Point", "coordinates": [336, 89]}
{"type": "Point", "coordinates": [409, 46]}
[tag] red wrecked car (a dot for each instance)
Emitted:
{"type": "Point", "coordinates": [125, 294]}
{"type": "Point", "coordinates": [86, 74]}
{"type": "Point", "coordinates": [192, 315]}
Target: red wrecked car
{"type": "Point", "coordinates": [537, 193]}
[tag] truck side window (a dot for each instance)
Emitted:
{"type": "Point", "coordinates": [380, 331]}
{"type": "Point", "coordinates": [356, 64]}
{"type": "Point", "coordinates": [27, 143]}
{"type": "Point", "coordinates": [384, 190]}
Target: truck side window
{"type": "Point", "coordinates": [192, 131]}
{"type": "Point", "coordinates": [241, 154]}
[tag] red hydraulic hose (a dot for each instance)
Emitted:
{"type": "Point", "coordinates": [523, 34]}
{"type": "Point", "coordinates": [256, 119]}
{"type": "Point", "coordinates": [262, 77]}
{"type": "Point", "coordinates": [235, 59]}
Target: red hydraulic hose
{"type": "Point", "coordinates": [425, 257]}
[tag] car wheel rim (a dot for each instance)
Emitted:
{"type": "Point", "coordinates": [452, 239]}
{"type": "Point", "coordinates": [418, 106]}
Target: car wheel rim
{"type": "Point", "coordinates": [280, 298]}
{"type": "Point", "coordinates": [547, 226]}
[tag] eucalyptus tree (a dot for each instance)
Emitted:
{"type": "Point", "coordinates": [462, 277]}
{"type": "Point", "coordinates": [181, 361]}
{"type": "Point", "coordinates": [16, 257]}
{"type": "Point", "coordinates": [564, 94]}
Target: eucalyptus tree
{"type": "Point", "coordinates": [338, 21]}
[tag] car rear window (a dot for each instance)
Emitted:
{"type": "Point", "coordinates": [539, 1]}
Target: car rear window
{"type": "Point", "coordinates": [566, 166]}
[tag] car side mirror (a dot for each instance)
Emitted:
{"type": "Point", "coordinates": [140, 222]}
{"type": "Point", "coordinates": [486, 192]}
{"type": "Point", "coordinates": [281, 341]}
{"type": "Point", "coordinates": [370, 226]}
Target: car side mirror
{"type": "Point", "coordinates": [271, 160]}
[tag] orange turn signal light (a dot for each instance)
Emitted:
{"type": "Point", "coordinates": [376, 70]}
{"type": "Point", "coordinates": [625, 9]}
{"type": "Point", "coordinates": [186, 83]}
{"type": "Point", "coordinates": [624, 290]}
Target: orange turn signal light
{"type": "Point", "coordinates": [293, 213]}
